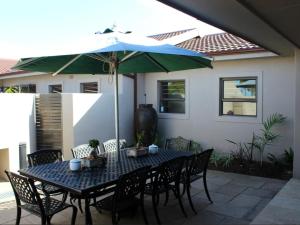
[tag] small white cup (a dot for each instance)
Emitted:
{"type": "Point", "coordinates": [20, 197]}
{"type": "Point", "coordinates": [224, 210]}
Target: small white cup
{"type": "Point", "coordinates": [153, 149]}
{"type": "Point", "coordinates": [75, 164]}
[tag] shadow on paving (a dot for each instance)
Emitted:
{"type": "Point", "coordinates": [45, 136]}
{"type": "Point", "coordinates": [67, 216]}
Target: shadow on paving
{"type": "Point", "coordinates": [237, 200]}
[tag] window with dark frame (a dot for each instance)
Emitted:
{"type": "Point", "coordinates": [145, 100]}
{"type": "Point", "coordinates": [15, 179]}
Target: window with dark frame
{"type": "Point", "coordinates": [22, 88]}
{"type": "Point", "coordinates": [55, 88]}
{"type": "Point", "coordinates": [172, 96]}
{"type": "Point", "coordinates": [89, 87]}
{"type": "Point", "coordinates": [28, 88]}
{"type": "Point", "coordinates": [238, 96]}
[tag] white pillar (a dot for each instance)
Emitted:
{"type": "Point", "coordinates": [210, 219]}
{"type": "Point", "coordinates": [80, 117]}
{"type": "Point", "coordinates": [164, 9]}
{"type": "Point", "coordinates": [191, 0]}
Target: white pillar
{"type": "Point", "coordinates": [296, 171]}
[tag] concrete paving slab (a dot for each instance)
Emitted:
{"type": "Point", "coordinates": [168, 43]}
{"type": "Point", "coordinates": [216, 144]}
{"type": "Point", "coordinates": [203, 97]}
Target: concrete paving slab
{"type": "Point", "coordinates": [243, 200]}
{"type": "Point", "coordinates": [231, 189]}
{"type": "Point", "coordinates": [264, 193]}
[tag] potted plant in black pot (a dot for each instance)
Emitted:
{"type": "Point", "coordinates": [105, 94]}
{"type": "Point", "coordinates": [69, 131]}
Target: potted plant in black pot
{"type": "Point", "coordinates": [94, 159]}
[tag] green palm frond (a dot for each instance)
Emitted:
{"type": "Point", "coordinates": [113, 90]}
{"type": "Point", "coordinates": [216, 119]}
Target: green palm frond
{"type": "Point", "coordinates": [274, 119]}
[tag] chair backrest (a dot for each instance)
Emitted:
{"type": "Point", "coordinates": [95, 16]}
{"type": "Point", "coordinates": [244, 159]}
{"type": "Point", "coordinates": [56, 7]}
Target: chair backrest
{"type": "Point", "coordinates": [131, 184]}
{"type": "Point", "coordinates": [24, 189]}
{"type": "Point", "coordinates": [82, 151]}
{"type": "Point", "coordinates": [199, 162]}
{"type": "Point", "coordinates": [43, 157]}
{"type": "Point", "coordinates": [170, 171]}
{"type": "Point", "coordinates": [111, 145]}
{"type": "Point", "coordinates": [179, 144]}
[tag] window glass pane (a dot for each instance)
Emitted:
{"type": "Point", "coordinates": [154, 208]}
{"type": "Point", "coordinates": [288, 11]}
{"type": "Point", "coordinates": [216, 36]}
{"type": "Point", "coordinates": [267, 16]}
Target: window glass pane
{"type": "Point", "coordinates": [172, 106]}
{"type": "Point", "coordinates": [240, 88]}
{"type": "Point", "coordinates": [91, 87]}
{"type": "Point", "coordinates": [57, 88]}
{"type": "Point", "coordinates": [173, 89]}
{"type": "Point", "coordinates": [30, 88]}
{"type": "Point", "coordinates": [172, 96]}
{"type": "Point", "coordinates": [239, 108]}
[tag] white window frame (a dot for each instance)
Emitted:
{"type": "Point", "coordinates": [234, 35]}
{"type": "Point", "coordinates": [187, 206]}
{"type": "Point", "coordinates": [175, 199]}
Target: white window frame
{"type": "Point", "coordinates": [259, 98]}
{"type": "Point", "coordinates": [182, 116]}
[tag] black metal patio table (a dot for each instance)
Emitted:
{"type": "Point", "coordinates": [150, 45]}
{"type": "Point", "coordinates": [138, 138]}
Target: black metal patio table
{"type": "Point", "coordinates": [88, 180]}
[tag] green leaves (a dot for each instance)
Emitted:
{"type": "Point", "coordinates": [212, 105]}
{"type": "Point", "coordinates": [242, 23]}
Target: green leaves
{"type": "Point", "coordinates": [274, 119]}
{"type": "Point", "coordinates": [11, 90]}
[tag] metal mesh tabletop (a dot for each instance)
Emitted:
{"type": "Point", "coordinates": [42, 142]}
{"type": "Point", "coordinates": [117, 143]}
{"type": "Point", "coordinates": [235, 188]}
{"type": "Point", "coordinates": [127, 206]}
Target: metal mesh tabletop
{"type": "Point", "coordinates": [90, 179]}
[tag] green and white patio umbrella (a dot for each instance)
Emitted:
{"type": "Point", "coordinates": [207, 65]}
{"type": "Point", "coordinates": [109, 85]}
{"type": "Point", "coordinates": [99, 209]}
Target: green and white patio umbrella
{"type": "Point", "coordinates": [114, 53]}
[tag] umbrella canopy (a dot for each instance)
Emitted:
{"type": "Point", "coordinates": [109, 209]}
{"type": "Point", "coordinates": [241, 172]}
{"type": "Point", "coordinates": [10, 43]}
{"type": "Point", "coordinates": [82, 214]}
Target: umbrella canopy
{"type": "Point", "coordinates": [116, 52]}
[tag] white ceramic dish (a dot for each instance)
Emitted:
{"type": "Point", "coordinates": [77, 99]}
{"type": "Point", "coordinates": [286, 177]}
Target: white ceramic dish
{"type": "Point", "coordinates": [75, 164]}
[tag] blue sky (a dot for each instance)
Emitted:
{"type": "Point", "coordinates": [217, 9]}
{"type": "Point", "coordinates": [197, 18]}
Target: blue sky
{"type": "Point", "coordinates": [33, 27]}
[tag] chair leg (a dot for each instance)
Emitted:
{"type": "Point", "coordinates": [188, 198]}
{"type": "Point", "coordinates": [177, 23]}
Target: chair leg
{"type": "Point", "coordinates": [188, 190]}
{"type": "Point", "coordinates": [80, 205]}
{"type": "Point", "coordinates": [19, 212]}
{"type": "Point", "coordinates": [43, 220]}
{"type": "Point", "coordinates": [143, 211]}
{"type": "Point", "coordinates": [205, 188]}
{"type": "Point", "coordinates": [155, 208]}
{"type": "Point", "coordinates": [74, 214]}
{"type": "Point", "coordinates": [180, 201]}
{"type": "Point", "coordinates": [167, 197]}
{"type": "Point", "coordinates": [48, 220]}
{"type": "Point", "coordinates": [114, 218]}
{"type": "Point", "coordinates": [183, 189]}
{"type": "Point", "coordinates": [64, 198]}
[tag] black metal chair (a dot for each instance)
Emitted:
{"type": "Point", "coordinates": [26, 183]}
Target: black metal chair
{"type": "Point", "coordinates": [179, 144]}
{"type": "Point", "coordinates": [28, 198]}
{"type": "Point", "coordinates": [166, 178]}
{"type": "Point", "coordinates": [196, 169]}
{"type": "Point", "coordinates": [82, 151]}
{"type": "Point", "coordinates": [128, 187]}
{"type": "Point", "coordinates": [79, 152]}
{"type": "Point", "coordinates": [44, 157]}
{"type": "Point", "coordinates": [111, 145]}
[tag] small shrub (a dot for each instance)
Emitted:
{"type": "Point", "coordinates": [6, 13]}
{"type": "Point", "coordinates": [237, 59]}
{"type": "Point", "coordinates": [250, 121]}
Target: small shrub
{"type": "Point", "coordinates": [221, 159]}
{"type": "Point", "coordinates": [94, 143]}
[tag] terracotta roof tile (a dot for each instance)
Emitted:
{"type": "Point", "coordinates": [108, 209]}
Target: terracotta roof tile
{"type": "Point", "coordinates": [6, 64]}
{"type": "Point", "coordinates": [163, 36]}
{"type": "Point", "coordinates": [220, 44]}
{"type": "Point", "coordinates": [213, 44]}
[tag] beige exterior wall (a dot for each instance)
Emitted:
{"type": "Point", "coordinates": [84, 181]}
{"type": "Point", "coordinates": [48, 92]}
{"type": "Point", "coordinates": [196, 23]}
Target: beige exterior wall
{"type": "Point", "coordinates": [4, 162]}
{"type": "Point", "coordinates": [202, 122]}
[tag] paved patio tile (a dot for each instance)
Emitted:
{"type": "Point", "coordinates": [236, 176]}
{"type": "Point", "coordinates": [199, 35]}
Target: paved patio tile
{"type": "Point", "coordinates": [205, 218]}
{"type": "Point", "coordinates": [258, 208]}
{"type": "Point", "coordinates": [264, 193]}
{"type": "Point", "coordinates": [215, 197]}
{"type": "Point", "coordinates": [278, 215]}
{"type": "Point", "coordinates": [231, 189]}
{"type": "Point", "coordinates": [243, 200]}
{"type": "Point", "coordinates": [228, 209]}
{"type": "Point", "coordinates": [218, 180]}
{"type": "Point", "coordinates": [274, 186]}
{"type": "Point", "coordinates": [237, 200]}
{"type": "Point", "coordinates": [249, 182]}
{"type": "Point", "coordinates": [235, 221]}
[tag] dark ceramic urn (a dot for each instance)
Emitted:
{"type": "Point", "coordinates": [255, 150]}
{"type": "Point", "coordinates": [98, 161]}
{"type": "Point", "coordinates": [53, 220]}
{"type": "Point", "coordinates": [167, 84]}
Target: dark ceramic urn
{"type": "Point", "coordinates": [146, 123]}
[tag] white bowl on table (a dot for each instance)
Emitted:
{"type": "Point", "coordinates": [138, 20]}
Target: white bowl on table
{"type": "Point", "coordinates": [153, 149]}
{"type": "Point", "coordinates": [75, 164]}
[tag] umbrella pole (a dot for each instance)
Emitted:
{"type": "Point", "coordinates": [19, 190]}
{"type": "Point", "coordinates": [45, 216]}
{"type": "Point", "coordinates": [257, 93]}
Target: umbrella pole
{"type": "Point", "coordinates": [117, 109]}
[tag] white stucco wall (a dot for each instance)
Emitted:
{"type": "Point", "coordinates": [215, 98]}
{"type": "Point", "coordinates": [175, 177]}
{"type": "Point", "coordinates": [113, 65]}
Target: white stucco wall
{"type": "Point", "coordinates": [202, 123]}
{"type": "Point", "coordinates": [296, 172]}
{"type": "Point", "coordinates": [89, 116]}
{"type": "Point", "coordinates": [17, 125]}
